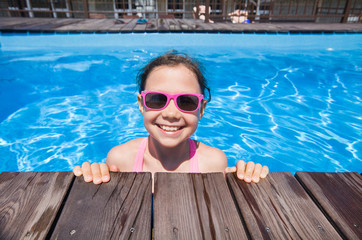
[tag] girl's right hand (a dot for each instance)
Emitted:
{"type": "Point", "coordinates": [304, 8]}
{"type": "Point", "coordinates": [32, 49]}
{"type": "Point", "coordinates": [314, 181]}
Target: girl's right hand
{"type": "Point", "coordinates": [96, 172]}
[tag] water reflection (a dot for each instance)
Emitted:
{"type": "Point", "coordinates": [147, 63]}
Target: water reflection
{"type": "Point", "coordinates": [293, 112]}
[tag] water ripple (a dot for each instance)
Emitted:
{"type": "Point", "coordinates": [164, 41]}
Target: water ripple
{"type": "Point", "coordinates": [290, 110]}
{"type": "Point", "coordinates": [67, 129]}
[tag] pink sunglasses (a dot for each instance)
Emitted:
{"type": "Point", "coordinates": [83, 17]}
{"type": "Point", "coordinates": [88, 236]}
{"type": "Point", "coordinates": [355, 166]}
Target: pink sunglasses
{"type": "Point", "coordinates": [185, 102]}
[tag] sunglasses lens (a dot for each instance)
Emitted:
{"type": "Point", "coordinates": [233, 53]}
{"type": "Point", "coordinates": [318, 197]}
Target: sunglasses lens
{"type": "Point", "coordinates": [187, 102]}
{"type": "Point", "coordinates": [155, 100]}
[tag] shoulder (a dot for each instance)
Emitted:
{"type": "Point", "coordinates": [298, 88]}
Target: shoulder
{"type": "Point", "coordinates": [211, 159]}
{"type": "Point", "coordinates": [124, 155]}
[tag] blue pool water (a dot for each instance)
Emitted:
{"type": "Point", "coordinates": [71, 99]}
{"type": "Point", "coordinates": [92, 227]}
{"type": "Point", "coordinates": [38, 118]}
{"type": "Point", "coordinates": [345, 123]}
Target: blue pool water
{"type": "Point", "coordinates": [292, 102]}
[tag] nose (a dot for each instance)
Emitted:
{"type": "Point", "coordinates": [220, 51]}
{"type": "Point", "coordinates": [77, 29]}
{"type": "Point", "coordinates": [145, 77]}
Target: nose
{"type": "Point", "coordinates": [171, 111]}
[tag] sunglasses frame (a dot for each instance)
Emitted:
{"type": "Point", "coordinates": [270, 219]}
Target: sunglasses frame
{"type": "Point", "coordinates": [174, 97]}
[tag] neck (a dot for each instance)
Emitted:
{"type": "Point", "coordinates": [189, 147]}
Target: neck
{"type": "Point", "coordinates": [169, 158]}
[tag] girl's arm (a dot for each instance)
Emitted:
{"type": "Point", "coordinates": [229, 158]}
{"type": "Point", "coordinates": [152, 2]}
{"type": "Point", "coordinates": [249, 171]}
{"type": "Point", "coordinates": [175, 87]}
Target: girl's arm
{"type": "Point", "coordinates": [249, 172]}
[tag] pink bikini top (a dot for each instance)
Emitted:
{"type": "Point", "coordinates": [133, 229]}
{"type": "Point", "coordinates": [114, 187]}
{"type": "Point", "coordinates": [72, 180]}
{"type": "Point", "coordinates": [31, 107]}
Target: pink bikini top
{"type": "Point", "coordinates": [138, 166]}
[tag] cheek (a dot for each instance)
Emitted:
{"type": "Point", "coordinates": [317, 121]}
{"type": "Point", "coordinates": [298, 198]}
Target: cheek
{"type": "Point", "coordinates": [193, 119]}
{"type": "Point", "coordinates": [148, 116]}
{"type": "Point", "coordinates": [147, 121]}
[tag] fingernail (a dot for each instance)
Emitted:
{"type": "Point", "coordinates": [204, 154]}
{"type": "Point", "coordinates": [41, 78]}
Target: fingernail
{"type": "Point", "coordinates": [98, 180]}
{"type": "Point", "coordinates": [105, 178]}
{"type": "Point", "coordinates": [87, 178]}
{"type": "Point", "coordinates": [255, 179]}
{"type": "Point", "coordinates": [247, 179]}
{"type": "Point", "coordinates": [240, 176]}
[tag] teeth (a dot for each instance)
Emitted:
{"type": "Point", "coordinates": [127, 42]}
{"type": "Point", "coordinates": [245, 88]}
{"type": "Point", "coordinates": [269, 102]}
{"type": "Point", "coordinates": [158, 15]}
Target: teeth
{"type": "Point", "coordinates": [166, 128]}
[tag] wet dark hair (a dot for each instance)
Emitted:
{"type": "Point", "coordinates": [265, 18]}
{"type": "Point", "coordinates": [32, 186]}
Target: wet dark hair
{"type": "Point", "coordinates": [174, 58]}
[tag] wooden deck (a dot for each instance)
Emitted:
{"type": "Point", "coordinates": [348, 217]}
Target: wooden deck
{"type": "Point", "coordinates": [186, 206]}
{"type": "Point", "coordinates": [166, 25]}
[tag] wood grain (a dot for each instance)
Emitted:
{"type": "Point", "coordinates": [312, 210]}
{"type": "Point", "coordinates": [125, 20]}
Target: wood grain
{"type": "Point", "coordinates": [140, 27]}
{"type": "Point", "coordinates": [278, 208]}
{"type": "Point", "coordinates": [29, 203]}
{"type": "Point", "coordinates": [151, 26]}
{"type": "Point", "coordinates": [340, 196]}
{"type": "Point", "coordinates": [130, 25]}
{"type": "Point", "coordinates": [195, 206]}
{"type": "Point", "coordinates": [120, 209]}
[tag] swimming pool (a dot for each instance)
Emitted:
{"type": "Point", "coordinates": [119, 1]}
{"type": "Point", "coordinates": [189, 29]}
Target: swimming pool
{"type": "Point", "coordinates": [292, 102]}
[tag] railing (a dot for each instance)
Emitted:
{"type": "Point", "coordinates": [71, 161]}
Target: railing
{"type": "Point", "coordinates": [343, 11]}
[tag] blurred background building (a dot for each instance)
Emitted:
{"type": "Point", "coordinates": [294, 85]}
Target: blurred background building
{"type": "Point", "coordinates": [322, 11]}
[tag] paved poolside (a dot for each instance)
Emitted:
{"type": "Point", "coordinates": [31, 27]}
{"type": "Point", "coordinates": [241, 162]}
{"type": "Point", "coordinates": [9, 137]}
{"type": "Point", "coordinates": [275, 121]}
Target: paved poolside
{"type": "Point", "coordinates": [19, 24]}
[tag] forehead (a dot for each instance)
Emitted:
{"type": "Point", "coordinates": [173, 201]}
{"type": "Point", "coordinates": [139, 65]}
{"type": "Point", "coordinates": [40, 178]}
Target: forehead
{"type": "Point", "coordinates": [172, 79]}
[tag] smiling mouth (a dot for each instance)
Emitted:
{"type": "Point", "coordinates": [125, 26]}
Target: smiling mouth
{"type": "Point", "coordinates": [169, 128]}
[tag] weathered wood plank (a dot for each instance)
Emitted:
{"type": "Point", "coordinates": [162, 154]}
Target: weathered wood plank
{"type": "Point", "coordinates": [188, 22]}
{"type": "Point", "coordinates": [182, 25]}
{"type": "Point", "coordinates": [29, 203]}
{"type": "Point", "coordinates": [24, 25]}
{"type": "Point", "coordinates": [199, 25]}
{"type": "Point", "coordinates": [233, 27]}
{"type": "Point", "coordinates": [120, 209]}
{"type": "Point", "coordinates": [195, 206]}
{"type": "Point", "coordinates": [172, 24]}
{"type": "Point", "coordinates": [140, 27]}
{"type": "Point", "coordinates": [109, 25]}
{"type": "Point", "coordinates": [103, 25]}
{"type": "Point", "coordinates": [162, 25]}
{"type": "Point", "coordinates": [220, 27]}
{"type": "Point", "coordinates": [116, 25]}
{"type": "Point", "coordinates": [50, 24]}
{"type": "Point", "coordinates": [7, 22]}
{"type": "Point", "coordinates": [64, 22]}
{"type": "Point", "coordinates": [77, 26]}
{"type": "Point", "coordinates": [340, 196]}
{"type": "Point", "coordinates": [86, 25]}
{"type": "Point", "coordinates": [93, 25]}
{"type": "Point", "coordinates": [279, 208]}
{"type": "Point", "coordinates": [130, 25]}
{"type": "Point", "coordinates": [151, 26]}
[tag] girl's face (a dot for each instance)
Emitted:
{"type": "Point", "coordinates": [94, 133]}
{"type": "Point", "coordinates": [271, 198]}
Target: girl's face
{"type": "Point", "coordinates": [170, 126]}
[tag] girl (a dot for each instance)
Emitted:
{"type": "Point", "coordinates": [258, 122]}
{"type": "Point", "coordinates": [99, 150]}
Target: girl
{"type": "Point", "coordinates": [171, 100]}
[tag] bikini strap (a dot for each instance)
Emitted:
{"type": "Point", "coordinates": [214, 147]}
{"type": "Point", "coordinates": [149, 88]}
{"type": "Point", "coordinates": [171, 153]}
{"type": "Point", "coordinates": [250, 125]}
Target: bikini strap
{"type": "Point", "coordinates": [138, 165]}
{"type": "Point", "coordinates": [194, 163]}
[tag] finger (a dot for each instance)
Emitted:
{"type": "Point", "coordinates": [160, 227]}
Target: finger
{"type": "Point", "coordinates": [77, 171]}
{"type": "Point", "coordinates": [96, 172]}
{"type": "Point", "coordinates": [87, 174]}
{"type": "Point", "coordinates": [264, 172]}
{"type": "Point", "coordinates": [105, 172]}
{"type": "Point", "coordinates": [240, 166]}
{"type": "Point", "coordinates": [230, 169]}
{"type": "Point", "coordinates": [114, 168]}
{"type": "Point", "coordinates": [249, 171]}
{"type": "Point", "coordinates": [256, 174]}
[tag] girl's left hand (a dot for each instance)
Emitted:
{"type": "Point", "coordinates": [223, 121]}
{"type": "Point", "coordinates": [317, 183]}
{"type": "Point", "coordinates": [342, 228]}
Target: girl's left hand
{"type": "Point", "coordinates": [249, 172]}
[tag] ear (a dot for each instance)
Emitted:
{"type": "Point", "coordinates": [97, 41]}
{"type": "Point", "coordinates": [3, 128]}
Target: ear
{"type": "Point", "coordinates": [140, 103]}
{"type": "Point", "coordinates": [202, 108]}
